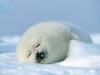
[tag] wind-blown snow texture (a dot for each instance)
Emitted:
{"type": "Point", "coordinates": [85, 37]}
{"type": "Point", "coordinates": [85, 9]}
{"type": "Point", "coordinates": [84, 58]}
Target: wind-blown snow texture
{"type": "Point", "coordinates": [87, 64]}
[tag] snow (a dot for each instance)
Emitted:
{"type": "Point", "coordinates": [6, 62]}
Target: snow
{"type": "Point", "coordinates": [86, 61]}
{"type": "Point", "coordinates": [96, 38]}
{"type": "Point", "coordinates": [83, 55]}
{"type": "Point", "coordinates": [8, 43]}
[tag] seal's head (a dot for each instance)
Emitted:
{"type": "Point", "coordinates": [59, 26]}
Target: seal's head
{"type": "Point", "coordinates": [44, 43]}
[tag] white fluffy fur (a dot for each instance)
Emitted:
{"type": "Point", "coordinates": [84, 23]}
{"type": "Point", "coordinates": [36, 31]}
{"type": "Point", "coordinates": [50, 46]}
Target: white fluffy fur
{"type": "Point", "coordinates": [54, 38]}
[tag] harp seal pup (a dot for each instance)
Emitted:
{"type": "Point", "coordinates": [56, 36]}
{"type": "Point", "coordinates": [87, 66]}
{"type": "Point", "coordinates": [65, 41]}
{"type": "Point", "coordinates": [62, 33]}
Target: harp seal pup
{"type": "Point", "coordinates": [48, 42]}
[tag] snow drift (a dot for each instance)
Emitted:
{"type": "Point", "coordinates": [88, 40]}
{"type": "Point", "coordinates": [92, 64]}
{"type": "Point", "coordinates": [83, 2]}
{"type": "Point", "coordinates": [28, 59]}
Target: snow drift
{"type": "Point", "coordinates": [85, 62]}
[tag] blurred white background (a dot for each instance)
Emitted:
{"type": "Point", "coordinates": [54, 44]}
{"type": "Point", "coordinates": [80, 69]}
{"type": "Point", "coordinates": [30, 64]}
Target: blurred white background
{"type": "Point", "coordinates": [17, 15]}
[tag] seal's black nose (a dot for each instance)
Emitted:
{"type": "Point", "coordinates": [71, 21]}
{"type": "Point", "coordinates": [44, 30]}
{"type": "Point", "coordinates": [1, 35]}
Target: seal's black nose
{"type": "Point", "coordinates": [40, 56]}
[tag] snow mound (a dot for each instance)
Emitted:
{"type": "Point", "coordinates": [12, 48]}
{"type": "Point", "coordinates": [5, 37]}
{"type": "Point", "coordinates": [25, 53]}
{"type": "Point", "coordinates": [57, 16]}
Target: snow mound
{"type": "Point", "coordinates": [10, 66]}
{"type": "Point", "coordinates": [96, 38]}
{"type": "Point", "coordinates": [84, 59]}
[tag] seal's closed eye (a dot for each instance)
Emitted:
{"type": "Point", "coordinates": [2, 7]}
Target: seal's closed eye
{"type": "Point", "coordinates": [37, 45]}
{"type": "Point", "coordinates": [29, 53]}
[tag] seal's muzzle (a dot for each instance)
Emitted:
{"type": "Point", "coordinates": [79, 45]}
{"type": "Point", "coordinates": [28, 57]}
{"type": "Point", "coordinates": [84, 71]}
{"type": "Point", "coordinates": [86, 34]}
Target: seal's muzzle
{"type": "Point", "coordinates": [40, 56]}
